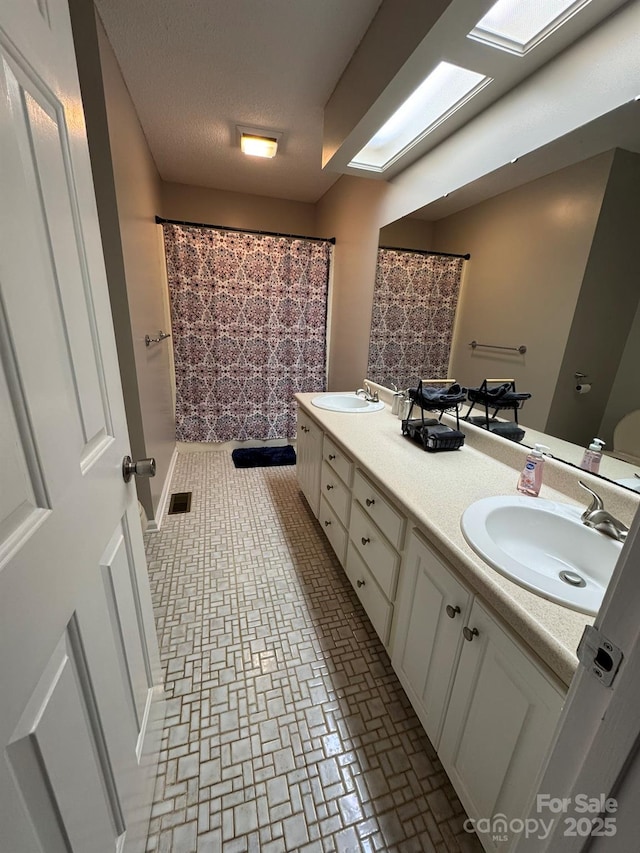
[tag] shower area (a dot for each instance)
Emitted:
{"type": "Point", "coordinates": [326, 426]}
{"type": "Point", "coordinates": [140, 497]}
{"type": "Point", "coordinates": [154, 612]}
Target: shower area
{"type": "Point", "coordinates": [249, 315]}
{"type": "Point", "coordinates": [414, 307]}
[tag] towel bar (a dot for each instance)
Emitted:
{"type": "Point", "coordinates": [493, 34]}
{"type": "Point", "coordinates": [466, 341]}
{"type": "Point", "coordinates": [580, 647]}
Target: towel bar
{"type": "Point", "coordinates": [161, 337]}
{"type": "Point", "coordinates": [520, 349]}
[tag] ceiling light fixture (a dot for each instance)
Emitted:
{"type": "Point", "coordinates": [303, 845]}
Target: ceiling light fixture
{"type": "Point", "coordinates": [447, 88]}
{"type": "Point", "coordinates": [258, 143]}
{"type": "Point", "coordinates": [518, 26]}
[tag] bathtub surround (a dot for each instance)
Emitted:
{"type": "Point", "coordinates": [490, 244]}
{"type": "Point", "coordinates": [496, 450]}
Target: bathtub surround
{"type": "Point", "coordinates": [287, 730]}
{"type": "Point", "coordinates": [249, 330]}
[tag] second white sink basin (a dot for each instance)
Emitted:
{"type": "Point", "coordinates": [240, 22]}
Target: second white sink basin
{"type": "Point", "coordinates": [346, 402]}
{"type": "Point", "coordinates": [543, 546]}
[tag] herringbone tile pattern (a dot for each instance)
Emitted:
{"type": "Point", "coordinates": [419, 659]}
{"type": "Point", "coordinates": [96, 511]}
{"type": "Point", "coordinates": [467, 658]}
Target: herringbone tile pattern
{"type": "Point", "coordinates": [287, 729]}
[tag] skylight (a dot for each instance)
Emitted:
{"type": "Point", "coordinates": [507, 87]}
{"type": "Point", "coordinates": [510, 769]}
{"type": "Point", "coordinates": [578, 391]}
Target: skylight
{"type": "Point", "coordinates": [444, 91]}
{"type": "Point", "coordinates": [517, 26]}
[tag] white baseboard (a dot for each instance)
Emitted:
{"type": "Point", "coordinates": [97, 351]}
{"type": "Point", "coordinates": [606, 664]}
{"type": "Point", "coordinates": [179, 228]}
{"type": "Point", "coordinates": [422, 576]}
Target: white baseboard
{"type": "Point", "coordinates": [154, 523]}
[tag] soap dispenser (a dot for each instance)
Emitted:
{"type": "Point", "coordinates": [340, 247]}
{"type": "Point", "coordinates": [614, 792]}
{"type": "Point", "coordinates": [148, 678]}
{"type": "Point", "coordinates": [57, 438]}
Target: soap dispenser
{"type": "Point", "coordinates": [398, 399]}
{"type": "Point", "coordinates": [531, 477]}
{"type": "Point", "coordinates": [592, 456]}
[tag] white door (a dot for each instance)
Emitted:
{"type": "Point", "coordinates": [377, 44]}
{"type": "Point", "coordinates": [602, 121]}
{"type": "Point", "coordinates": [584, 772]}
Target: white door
{"type": "Point", "coordinates": [79, 668]}
{"type": "Point", "coordinates": [498, 726]}
{"type": "Point", "coordinates": [432, 606]}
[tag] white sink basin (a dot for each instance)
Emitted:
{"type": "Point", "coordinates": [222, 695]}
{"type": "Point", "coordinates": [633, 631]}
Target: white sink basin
{"type": "Point", "coordinates": [345, 402]}
{"type": "Point", "coordinates": [543, 546]}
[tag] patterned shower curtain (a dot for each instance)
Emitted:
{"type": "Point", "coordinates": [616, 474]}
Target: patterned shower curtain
{"type": "Point", "coordinates": [249, 330]}
{"type": "Point", "coordinates": [414, 307]}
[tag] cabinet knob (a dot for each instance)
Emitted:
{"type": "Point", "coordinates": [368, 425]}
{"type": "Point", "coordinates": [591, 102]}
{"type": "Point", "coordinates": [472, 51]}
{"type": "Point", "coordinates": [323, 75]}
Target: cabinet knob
{"type": "Point", "coordinates": [370, 501]}
{"type": "Point", "coordinates": [332, 456]}
{"type": "Point", "coordinates": [304, 429]}
{"type": "Point", "coordinates": [365, 539]}
{"type": "Point", "coordinates": [360, 583]}
{"type": "Point", "coordinates": [451, 611]}
{"type": "Point", "coordinates": [327, 523]}
{"type": "Point", "coordinates": [329, 487]}
{"type": "Point", "coordinates": [469, 634]}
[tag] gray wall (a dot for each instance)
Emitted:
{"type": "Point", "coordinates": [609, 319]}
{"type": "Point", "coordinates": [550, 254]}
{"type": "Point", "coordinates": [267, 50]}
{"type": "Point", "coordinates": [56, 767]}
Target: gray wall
{"type": "Point", "coordinates": [606, 308]}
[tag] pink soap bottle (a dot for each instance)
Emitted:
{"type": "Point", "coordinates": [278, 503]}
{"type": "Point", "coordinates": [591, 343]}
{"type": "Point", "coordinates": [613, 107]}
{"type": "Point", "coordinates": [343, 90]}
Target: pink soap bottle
{"type": "Point", "coordinates": [530, 480]}
{"type": "Point", "coordinates": [592, 456]}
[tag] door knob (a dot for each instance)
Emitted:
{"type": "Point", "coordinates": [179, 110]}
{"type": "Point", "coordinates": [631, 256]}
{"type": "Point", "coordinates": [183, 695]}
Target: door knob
{"type": "Point", "coordinates": [141, 468]}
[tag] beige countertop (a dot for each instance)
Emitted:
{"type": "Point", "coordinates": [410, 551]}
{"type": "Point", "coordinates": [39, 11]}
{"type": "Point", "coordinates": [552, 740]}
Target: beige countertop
{"type": "Point", "coordinates": [434, 489]}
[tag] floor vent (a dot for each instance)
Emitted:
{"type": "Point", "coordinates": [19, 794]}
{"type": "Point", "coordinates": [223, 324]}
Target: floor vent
{"type": "Point", "coordinates": [180, 502]}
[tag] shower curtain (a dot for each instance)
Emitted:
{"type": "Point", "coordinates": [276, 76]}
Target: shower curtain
{"type": "Point", "coordinates": [249, 330]}
{"type": "Point", "coordinates": [414, 306]}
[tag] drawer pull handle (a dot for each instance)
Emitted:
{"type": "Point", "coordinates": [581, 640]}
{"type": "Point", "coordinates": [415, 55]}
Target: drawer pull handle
{"type": "Point", "coordinates": [327, 523]}
{"type": "Point", "coordinates": [469, 634]}
{"type": "Point", "coordinates": [332, 456]}
{"type": "Point", "coordinates": [304, 429]}
{"type": "Point", "coordinates": [365, 539]}
{"type": "Point", "coordinates": [360, 583]}
{"type": "Point", "coordinates": [370, 501]}
{"type": "Point", "coordinates": [451, 611]}
{"type": "Point", "coordinates": [329, 487]}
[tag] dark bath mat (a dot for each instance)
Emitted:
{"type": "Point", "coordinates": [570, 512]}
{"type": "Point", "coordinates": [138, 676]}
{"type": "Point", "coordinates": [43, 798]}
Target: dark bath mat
{"type": "Point", "coordinates": [263, 457]}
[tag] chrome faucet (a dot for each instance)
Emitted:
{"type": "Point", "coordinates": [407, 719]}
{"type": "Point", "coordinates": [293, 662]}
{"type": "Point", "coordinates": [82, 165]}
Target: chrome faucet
{"type": "Point", "coordinates": [596, 516]}
{"type": "Point", "coordinates": [368, 396]}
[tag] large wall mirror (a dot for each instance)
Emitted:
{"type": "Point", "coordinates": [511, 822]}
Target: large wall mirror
{"type": "Point", "coordinates": [553, 268]}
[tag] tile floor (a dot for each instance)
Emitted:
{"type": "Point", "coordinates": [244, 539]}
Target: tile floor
{"type": "Point", "coordinates": [286, 728]}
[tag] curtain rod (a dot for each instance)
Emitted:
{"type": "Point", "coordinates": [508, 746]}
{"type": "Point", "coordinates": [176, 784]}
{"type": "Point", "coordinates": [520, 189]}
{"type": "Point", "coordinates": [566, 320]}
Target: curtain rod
{"type": "Point", "coordinates": [161, 221]}
{"type": "Point", "coordinates": [427, 252]}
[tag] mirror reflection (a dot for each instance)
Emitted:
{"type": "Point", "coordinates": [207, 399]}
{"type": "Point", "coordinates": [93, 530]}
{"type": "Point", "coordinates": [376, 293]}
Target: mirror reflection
{"type": "Point", "coordinates": [552, 269]}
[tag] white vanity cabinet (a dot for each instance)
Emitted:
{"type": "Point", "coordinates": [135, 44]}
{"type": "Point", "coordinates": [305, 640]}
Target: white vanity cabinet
{"type": "Point", "coordinates": [499, 722]}
{"type": "Point", "coordinates": [376, 535]}
{"type": "Point", "coordinates": [309, 460]}
{"type": "Point", "coordinates": [432, 608]}
{"type": "Point", "coordinates": [486, 703]}
{"type": "Point", "coordinates": [335, 496]}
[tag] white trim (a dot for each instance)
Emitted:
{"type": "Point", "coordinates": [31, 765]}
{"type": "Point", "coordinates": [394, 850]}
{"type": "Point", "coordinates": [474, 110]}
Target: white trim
{"type": "Point", "coordinates": [154, 523]}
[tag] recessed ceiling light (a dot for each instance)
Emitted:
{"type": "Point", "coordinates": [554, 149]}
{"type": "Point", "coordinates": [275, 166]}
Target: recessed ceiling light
{"type": "Point", "coordinates": [258, 143]}
{"type": "Point", "coordinates": [517, 26]}
{"type": "Point", "coordinates": [447, 88]}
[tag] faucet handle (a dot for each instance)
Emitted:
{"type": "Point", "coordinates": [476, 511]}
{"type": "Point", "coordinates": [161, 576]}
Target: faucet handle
{"type": "Point", "coordinates": [595, 504]}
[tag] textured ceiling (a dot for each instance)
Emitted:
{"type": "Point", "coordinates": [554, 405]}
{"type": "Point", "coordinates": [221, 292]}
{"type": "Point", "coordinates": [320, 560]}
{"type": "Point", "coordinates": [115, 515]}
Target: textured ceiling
{"type": "Point", "coordinates": [197, 68]}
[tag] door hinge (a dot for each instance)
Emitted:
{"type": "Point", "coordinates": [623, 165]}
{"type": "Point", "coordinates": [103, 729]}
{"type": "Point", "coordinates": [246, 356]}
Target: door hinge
{"type": "Point", "coordinates": [600, 656]}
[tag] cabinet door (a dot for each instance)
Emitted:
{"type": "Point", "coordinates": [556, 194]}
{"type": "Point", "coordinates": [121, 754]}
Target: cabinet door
{"type": "Point", "coordinates": [500, 719]}
{"type": "Point", "coordinates": [309, 460]}
{"type": "Point", "coordinates": [432, 608]}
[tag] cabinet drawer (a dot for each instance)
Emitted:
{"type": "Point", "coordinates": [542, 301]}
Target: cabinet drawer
{"type": "Point", "coordinates": [334, 491]}
{"type": "Point", "coordinates": [380, 557]}
{"type": "Point", "coordinates": [374, 602]}
{"type": "Point", "coordinates": [333, 530]}
{"type": "Point", "coordinates": [340, 463]}
{"type": "Point", "coordinates": [381, 510]}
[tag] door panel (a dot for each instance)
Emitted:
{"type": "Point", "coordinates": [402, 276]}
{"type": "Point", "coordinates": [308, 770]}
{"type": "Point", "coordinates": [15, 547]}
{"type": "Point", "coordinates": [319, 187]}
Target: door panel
{"type": "Point", "coordinates": [123, 598]}
{"type": "Point", "coordinates": [69, 793]}
{"type": "Point", "coordinates": [61, 322]}
{"type": "Point", "coordinates": [23, 500]}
